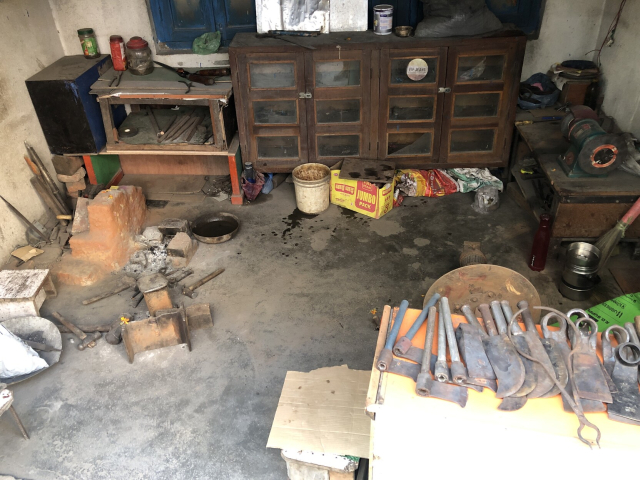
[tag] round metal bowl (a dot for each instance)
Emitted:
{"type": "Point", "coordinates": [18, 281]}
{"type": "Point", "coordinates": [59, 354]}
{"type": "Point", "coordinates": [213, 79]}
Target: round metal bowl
{"type": "Point", "coordinates": [215, 227]}
{"type": "Point", "coordinates": [36, 329]}
{"type": "Point", "coordinates": [582, 254]}
{"type": "Point", "coordinates": [403, 31]}
{"type": "Point", "coordinates": [577, 294]}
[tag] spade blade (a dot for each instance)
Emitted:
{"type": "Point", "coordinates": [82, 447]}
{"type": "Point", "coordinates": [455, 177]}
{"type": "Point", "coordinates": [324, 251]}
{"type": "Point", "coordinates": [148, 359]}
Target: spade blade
{"type": "Point", "coordinates": [506, 364]}
{"type": "Point", "coordinates": [478, 366]}
{"type": "Point", "coordinates": [559, 367]}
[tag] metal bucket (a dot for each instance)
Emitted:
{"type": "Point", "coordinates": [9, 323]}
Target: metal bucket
{"type": "Point", "coordinates": [311, 182]}
{"type": "Point", "coordinates": [383, 19]}
{"type": "Point", "coordinates": [583, 257]}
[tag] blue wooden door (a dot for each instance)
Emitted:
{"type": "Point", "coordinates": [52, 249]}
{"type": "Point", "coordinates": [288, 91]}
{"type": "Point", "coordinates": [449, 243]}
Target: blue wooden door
{"type": "Point", "coordinates": [179, 22]}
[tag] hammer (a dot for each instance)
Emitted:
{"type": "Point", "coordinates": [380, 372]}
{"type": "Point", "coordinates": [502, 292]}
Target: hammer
{"type": "Point", "coordinates": [189, 290]}
{"type": "Point", "coordinates": [86, 340]}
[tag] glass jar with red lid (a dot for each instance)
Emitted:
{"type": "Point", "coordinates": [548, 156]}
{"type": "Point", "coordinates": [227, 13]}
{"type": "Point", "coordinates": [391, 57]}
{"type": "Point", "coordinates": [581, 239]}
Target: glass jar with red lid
{"type": "Point", "coordinates": [139, 56]}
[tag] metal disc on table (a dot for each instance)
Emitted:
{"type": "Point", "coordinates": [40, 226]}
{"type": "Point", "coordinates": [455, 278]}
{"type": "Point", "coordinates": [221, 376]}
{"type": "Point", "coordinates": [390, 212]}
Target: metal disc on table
{"type": "Point", "coordinates": [476, 284]}
{"type": "Point", "coordinates": [602, 154]}
{"type": "Point", "coordinates": [128, 132]}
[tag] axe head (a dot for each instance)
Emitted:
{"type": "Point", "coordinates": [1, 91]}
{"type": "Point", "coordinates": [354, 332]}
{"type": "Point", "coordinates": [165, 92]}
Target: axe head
{"type": "Point", "coordinates": [401, 347]}
{"type": "Point", "coordinates": [384, 360]}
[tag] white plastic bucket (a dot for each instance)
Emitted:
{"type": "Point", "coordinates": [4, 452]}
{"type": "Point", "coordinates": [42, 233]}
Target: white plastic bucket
{"type": "Point", "coordinates": [311, 181]}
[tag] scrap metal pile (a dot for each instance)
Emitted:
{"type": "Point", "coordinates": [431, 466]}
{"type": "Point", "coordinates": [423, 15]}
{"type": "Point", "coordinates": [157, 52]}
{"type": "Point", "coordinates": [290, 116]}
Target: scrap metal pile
{"type": "Point", "coordinates": [516, 362]}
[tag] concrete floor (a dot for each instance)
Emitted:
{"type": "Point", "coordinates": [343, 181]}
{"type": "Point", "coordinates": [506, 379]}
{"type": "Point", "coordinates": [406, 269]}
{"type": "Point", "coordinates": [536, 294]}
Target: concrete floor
{"type": "Point", "coordinates": [296, 295]}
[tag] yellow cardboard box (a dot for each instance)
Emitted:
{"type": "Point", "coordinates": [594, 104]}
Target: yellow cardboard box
{"type": "Point", "coordinates": [362, 197]}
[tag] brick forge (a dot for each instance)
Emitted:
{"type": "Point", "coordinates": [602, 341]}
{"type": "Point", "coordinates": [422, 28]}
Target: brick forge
{"type": "Point", "coordinates": [114, 218]}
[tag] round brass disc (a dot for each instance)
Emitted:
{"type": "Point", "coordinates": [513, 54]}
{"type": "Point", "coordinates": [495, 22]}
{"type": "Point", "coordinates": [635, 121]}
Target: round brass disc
{"type": "Point", "coordinates": [476, 284]}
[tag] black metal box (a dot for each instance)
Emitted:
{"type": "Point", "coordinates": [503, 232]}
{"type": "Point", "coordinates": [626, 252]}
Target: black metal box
{"type": "Point", "coordinates": [69, 115]}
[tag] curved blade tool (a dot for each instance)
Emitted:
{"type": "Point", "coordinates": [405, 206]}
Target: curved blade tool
{"type": "Point", "coordinates": [504, 359]}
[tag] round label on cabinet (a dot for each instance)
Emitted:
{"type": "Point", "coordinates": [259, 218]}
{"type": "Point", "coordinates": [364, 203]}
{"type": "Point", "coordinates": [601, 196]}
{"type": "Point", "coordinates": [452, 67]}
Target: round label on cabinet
{"type": "Point", "coordinates": [417, 69]}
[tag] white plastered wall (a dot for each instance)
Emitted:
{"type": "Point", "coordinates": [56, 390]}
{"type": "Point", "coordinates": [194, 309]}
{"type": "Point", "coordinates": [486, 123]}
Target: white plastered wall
{"type": "Point", "coordinates": [29, 42]}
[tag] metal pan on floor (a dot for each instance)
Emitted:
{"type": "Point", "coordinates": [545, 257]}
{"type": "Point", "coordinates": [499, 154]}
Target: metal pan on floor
{"type": "Point", "coordinates": [215, 227]}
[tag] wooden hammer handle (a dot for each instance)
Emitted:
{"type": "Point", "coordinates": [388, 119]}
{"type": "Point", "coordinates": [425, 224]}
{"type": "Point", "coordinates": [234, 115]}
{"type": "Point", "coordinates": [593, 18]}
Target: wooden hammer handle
{"type": "Point", "coordinates": [78, 333]}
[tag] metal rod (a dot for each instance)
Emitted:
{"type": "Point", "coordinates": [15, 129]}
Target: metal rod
{"type": "Point", "coordinates": [441, 371]}
{"type": "Point", "coordinates": [448, 327]}
{"type": "Point", "coordinates": [24, 220]}
{"type": "Point", "coordinates": [498, 316]}
{"type": "Point", "coordinates": [154, 121]}
{"type": "Point", "coordinates": [428, 340]}
{"type": "Point", "coordinates": [473, 320]}
{"type": "Point", "coordinates": [508, 313]}
{"type": "Point", "coordinates": [46, 176]}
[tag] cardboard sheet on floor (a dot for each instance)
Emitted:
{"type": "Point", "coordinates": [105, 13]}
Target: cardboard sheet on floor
{"type": "Point", "coordinates": [27, 252]}
{"type": "Point", "coordinates": [323, 411]}
{"type": "Point", "coordinates": [408, 427]}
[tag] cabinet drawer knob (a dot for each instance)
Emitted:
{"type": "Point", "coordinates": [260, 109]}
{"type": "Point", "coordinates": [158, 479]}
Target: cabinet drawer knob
{"type": "Point", "coordinates": [304, 95]}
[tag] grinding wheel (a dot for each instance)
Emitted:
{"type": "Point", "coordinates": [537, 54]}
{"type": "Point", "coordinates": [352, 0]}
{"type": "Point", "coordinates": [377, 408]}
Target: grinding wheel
{"type": "Point", "coordinates": [476, 284]}
{"type": "Point", "coordinates": [602, 154]}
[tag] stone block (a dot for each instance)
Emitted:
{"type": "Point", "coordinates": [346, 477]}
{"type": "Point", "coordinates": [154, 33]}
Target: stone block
{"type": "Point", "coordinates": [152, 235]}
{"type": "Point", "coordinates": [66, 165]}
{"type": "Point", "coordinates": [76, 177]}
{"type": "Point", "coordinates": [181, 249]}
{"type": "Point", "coordinates": [171, 226]}
{"type": "Point", "coordinates": [75, 187]}
{"type": "Point", "coordinates": [70, 271]}
{"type": "Point", "coordinates": [81, 217]}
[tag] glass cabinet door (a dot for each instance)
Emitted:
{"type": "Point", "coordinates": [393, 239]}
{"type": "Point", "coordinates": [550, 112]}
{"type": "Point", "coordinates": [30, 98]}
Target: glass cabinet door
{"type": "Point", "coordinates": [476, 107]}
{"type": "Point", "coordinates": [411, 105]}
{"type": "Point", "coordinates": [339, 105]}
{"type": "Point", "coordinates": [274, 109]}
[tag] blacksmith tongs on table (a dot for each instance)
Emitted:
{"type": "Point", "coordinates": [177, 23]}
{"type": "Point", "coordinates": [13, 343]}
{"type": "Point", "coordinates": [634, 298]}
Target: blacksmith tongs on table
{"type": "Point", "coordinates": [575, 406]}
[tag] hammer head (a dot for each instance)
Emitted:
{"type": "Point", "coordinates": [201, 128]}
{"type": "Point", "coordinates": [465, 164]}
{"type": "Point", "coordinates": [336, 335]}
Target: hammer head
{"type": "Point", "coordinates": [90, 340]}
{"type": "Point", "coordinates": [189, 293]}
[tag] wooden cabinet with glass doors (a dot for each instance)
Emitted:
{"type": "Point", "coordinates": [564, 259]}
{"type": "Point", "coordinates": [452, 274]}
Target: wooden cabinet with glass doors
{"type": "Point", "coordinates": [423, 103]}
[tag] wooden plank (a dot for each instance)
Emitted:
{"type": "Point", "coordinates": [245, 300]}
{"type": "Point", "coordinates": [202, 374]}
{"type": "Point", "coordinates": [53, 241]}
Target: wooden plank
{"type": "Point", "coordinates": [217, 121]}
{"type": "Point", "coordinates": [618, 183]}
{"type": "Point", "coordinates": [374, 381]}
{"type": "Point", "coordinates": [590, 220]}
{"type": "Point", "coordinates": [174, 164]}
{"type": "Point", "coordinates": [374, 171]}
{"type": "Point", "coordinates": [110, 129]}
{"type": "Point", "coordinates": [544, 138]}
{"type": "Point", "coordinates": [627, 279]}
{"type": "Point", "coordinates": [165, 149]}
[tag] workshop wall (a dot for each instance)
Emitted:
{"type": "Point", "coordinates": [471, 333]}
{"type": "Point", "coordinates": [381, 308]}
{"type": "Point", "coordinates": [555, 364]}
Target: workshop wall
{"type": "Point", "coordinates": [30, 43]}
{"type": "Point", "coordinates": [567, 33]}
{"type": "Point", "coordinates": [127, 18]}
{"type": "Point", "coordinates": [621, 66]}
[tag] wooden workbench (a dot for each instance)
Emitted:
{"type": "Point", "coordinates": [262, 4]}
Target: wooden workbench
{"type": "Point", "coordinates": [142, 154]}
{"type": "Point", "coordinates": [582, 208]}
{"type": "Point", "coordinates": [414, 437]}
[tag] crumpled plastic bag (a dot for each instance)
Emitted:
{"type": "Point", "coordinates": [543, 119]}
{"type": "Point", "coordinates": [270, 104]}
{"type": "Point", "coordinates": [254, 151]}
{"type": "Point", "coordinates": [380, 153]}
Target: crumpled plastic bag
{"type": "Point", "coordinates": [206, 44]}
{"type": "Point", "coordinates": [471, 179]}
{"type": "Point", "coordinates": [422, 183]}
{"type": "Point", "coordinates": [252, 190]}
{"type": "Point", "coordinates": [16, 357]}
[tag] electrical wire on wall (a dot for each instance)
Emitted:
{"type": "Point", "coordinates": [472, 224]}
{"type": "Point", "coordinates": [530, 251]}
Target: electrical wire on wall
{"type": "Point", "coordinates": [609, 37]}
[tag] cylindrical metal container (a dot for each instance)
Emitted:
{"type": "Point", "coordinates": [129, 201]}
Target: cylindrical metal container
{"type": "Point", "coordinates": [383, 19]}
{"type": "Point", "coordinates": [116, 44]}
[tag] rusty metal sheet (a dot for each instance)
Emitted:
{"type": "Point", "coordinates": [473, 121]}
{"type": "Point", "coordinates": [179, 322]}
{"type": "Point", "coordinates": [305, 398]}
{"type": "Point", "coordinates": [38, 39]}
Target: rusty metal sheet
{"type": "Point", "coordinates": [169, 327]}
{"type": "Point", "coordinates": [476, 284]}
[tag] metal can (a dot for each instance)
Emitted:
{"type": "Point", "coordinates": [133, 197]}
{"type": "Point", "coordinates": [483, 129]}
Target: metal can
{"type": "Point", "coordinates": [116, 44]}
{"type": "Point", "coordinates": [382, 19]}
{"type": "Point", "coordinates": [89, 43]}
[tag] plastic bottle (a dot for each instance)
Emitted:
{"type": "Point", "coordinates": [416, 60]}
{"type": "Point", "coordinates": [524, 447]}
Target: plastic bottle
{"type": "Point", "coordinates": [249, 174]}
{"type": "Point", "coordinates": [540, 247]}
